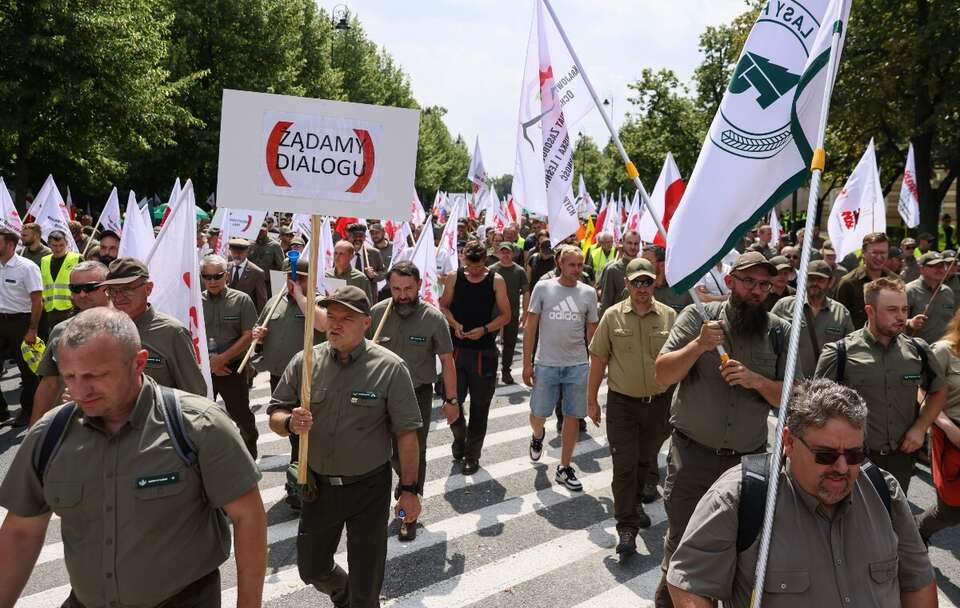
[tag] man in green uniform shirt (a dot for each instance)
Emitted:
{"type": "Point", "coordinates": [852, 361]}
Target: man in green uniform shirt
{"type": "Point", "coordinates": [613, 278]}
{"type": "Point", "coordinates": [33, 247]}
{"type": "Point", "coordinates": [418, 333]}
{"type": "Point", "coordinates": [172, 359]}
{"type": "Point", "coordinates": [266, 254]}
{"type": "Point", "coordinates": [518, 293]}
{"type": "Point", "coordinates": [361, 395]}
{"type": "Point", "coordinates": [850, 288]}
{"type": "Point", "coordinates": [887, 368]}
{"type": "Point", "coordinates": [343, 254]}
{"type": "Point", "coordinates": [229, 316]}
{"type": "Point", "coordinates": [929, 314]}
{"type": "Point", "coordinates": [663, 293]}
{"type": "Point", "coordinates": [139, 526]}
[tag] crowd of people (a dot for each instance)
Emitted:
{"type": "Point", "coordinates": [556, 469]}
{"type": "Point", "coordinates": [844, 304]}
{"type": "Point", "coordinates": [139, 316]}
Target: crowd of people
{"type": "Point", "coordinates": [878, 372]}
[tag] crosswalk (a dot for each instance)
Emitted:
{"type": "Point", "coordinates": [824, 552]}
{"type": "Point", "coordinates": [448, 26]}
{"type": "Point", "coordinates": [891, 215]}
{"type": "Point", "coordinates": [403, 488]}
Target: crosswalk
{"type": "Point", "coordinates": [507, 535]}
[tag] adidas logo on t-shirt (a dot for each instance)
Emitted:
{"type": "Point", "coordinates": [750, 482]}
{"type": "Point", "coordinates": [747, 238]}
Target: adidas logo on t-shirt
{"type": "Point", "coordinates": [566, 310]}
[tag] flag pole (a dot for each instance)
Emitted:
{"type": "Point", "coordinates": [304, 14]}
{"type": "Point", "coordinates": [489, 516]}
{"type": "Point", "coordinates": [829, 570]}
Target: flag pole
{"type": "Point", "coordinates": [306, 376]}
{"type": "Point", "coordinates": [99, 222]}
{"type": "Point", "coordinates": [630, 167]}
{"type": "Point", "coordinates": [773, 475]}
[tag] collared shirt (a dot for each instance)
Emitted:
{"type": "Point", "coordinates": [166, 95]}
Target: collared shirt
{"type": "Point", "coordinates": [666, 295]}
{"type": "Point", "coordinates": [939, 313]}
{"type": "Point", "coordinates": [227, 316]}
{"type": "Point", "coordinates": [19, 278]}
{"type": "Point", "coordinates": [358, 405]}
{"type": "Point", "coordinates": [612, 281]}
{"type": "Point", "coordinates": [887, 377]}
{"type": "Point", "coordinates": [705, 407]}
{"type": "Point", "coordinates": [911, 269]}
{"type": "Point", "coordinates": [850, 292]}
{"type": "Point", "coordinates": [171, 360]}
{"type": "Point", "coordinates": [266, 254]}
{"type": "Point", "coordinates": [951, 369]}
{"type": "Point", "coordinates": [355, 278]}
{"type": "Point", "coordinates": [630, 343]}
{"type": "Point", "coordinates": [135, 525]}
{"type": "Point", "coordinates": [516, 281]}
{"type": "Point", "coordinates": [859, 556]}
{"type": "Point", "coordinates": [284, 334]}
{"type": "Point", "coordinates": [417, 339]}
{"type": "Point", "coordinates": [237, 269]}
{"type": "Point", "coordinates": [35, 256]}
{"type": "Point", "coordinates": [830, 323]}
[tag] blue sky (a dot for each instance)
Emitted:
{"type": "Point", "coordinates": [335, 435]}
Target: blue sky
{"type": "Point", "coordinates": [468, 55]}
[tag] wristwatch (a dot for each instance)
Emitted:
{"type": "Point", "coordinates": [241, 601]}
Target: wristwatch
{"type": "Point", "coordinates": [286, 424]}
{"type": "Point", "coordinates": [451, 401]}
{"type": "Point", "coordinates": [411, 487]}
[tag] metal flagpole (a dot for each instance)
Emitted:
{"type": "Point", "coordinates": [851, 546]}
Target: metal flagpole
{"type": "Point", "coordinates": [630, 167]}
{"type": "Point", "coordinates": [773, 475]}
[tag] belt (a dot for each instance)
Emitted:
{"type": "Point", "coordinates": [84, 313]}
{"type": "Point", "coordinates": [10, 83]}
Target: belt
{"type": "Point", "coordinates": [717, 451]}
{"type": "Point", "coordinates": [345, 480]}
{"type": "Point", "coordinates": [647, 399]}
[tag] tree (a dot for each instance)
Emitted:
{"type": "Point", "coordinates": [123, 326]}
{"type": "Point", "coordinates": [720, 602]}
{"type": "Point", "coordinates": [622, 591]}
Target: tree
{"type": "Point", "coordinates": [596, 168]}
{"type": "Point", "coordinates": [442, 161]}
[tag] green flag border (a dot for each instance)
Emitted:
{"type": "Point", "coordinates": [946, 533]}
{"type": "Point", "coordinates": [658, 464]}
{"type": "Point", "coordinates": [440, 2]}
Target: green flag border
{"type": "Point", "coordinates": [785, 188]}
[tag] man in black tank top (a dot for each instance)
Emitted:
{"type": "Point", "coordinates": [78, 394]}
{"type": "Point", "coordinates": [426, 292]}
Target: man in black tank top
{"type": "Point", "coordinates": [468, 300]}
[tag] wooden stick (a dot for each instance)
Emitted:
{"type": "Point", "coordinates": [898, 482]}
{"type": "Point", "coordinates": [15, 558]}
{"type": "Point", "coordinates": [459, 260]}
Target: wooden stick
{"type": "Point", "coordinates": [383, 320]}
{"type": "Point", "coordinates": [306, 379]}
{"type": "Point", "coordinates": [266, 321]}
{"type": "Point", "coordinates": [366, 261]}
{"type": "Point", "coordinates": [939, 285]}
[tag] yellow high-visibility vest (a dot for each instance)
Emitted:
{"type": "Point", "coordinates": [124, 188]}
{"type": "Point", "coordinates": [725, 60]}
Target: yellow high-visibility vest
{"type": "Point", "coordinates": [601, 259]}
{"type": "Point", "coordinates": [56, 290]}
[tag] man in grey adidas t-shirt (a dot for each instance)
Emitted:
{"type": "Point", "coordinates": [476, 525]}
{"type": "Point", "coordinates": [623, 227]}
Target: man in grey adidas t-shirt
{"type": "Point", "coordinates": [565, 312]}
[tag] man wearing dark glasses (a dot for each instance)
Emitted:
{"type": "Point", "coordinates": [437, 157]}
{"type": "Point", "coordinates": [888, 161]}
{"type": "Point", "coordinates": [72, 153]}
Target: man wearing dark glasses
{"type": "Point", "coordinates": [834, 542]}
{"type": "Point", "coordinates": [86, 292]}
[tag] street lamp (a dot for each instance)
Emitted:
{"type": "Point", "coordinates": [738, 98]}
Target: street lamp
{"type": "Point", "coordinates": [340, 14]}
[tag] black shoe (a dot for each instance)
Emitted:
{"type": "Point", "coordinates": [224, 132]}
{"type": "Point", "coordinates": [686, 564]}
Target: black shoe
{"type": "Point", "coordinates": [536, 446]}
{"type": "Point", "coordinates": [507, 378]}
{"type": "Point", "coordinates": [408, 531]}
{"type": "Point", "coordinates": [643, 520]}
{"type": "Point", "coordinates": [470, 466]}
{"type": "Point", "coordinates": [293, 500]}
{"type": "Point", "coordinates": [20, 421]}
{"type": "Point", "coordinates": [583, 425]}
{"type": "Point", "coordinates": [456, 448]}
{"type": "Point", "coordinates": [627, 545]}
{"type": "Point", "coordinates": [650, 493]}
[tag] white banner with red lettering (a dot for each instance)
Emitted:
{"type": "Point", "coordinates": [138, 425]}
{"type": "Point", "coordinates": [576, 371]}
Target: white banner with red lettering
{"type": "Point", "coordinates": [9, 218]}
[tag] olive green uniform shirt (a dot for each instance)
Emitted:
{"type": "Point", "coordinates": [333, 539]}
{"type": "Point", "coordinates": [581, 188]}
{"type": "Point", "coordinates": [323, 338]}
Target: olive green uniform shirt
{"type": "Point", "coordinates": [357, 406]}
{"type": "Point", "coordinates": [666, 295]}
{"type": "Point", "coordinates": [137, 524]}
{"type": "Point", "coordinates": [227, 316]}
{"type": "Point", "coordinates": [284, 337]}
{"type": "Point", "coordinates": [861, 556]}
{"type": "Point", "coordinates": [416, 339]}
{"type": "Point", "coordinates": [951, 370]}
{"type": "Point", "coordinates": [172, 359]}
{"type": "Point", "coordinates": [267, 255]}
{"type": "Point", "coordinates": [887, 377]}
{"type": "Point", "coordinates": [939, 314]}
{"type": "Point", "coordinates": [515, 278]}
{"type": "Point", "coordinates": [630, 343]}
{"type": "Point", "coordinates": [911, 269]}
{"type": "Point", "coordinates": [612, 282]}
{"type": "Point", "coordinates": [830, 323]}
{"type": "Point", "coordinates": [355, 278]}
{"type": "Point", "coordinates": [850, 292]}
{"type": "Point", "coordinates": [705, 407]}
{"type": "Point", "coordinates": [36, 256]}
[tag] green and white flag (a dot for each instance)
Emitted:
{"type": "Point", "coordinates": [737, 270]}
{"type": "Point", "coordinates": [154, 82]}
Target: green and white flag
{"type": "Point", "coordinates": [760, 145]}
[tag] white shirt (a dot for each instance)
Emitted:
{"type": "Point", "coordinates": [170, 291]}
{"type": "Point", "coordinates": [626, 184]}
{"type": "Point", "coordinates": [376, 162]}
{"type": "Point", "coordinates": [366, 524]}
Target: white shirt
{"type": "Point", "coordinates": [19, 277]}
{"type": "Point", "coordinates": [713, 282]}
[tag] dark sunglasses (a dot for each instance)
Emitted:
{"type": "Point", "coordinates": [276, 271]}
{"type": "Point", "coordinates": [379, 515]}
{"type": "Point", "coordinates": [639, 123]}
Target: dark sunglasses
{"type": "Point", "coordinates": [639, 283]}
{"type": "Point", "coordinates": [212, 277]}
{"type": "Point", "coordinates": [828, 457]}
{"type": "Point", "coordinates": [84, 287]}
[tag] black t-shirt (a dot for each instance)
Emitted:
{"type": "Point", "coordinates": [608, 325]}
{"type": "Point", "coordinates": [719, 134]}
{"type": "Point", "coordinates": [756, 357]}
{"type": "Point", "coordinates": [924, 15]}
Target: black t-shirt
{"type": "Point", "coordinates": [540, 266]}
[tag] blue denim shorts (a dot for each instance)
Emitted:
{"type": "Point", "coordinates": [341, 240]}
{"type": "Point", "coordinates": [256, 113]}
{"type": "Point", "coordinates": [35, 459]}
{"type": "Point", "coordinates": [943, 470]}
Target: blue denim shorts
{"type": "Point", "coordinates": [551, 382]}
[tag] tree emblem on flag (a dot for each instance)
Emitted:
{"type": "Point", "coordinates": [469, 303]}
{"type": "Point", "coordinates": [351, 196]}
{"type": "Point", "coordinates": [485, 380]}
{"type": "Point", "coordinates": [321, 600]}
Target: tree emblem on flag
{"type": "Point", "coordinates": [769, 79]}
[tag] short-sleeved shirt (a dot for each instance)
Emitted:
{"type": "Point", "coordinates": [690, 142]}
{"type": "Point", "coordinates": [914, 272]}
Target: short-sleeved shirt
{"type": "Point", "coordinates": [630, 343]}
{"type": "Point", "coordinates": [171, 360]}
{"type": "Point", "coordinates": [35, 256]}
{"type": "Point", "coordinates": [951, 370]}
{"type": "Point", "coordinates": [676, 301]}
{"type": "Point", "coordinates": [417, 339]}
{"type": "Point", "coordinates": [516, 282]}
{"type": "Point", "coordinates": [284, 334]}
{"type": "Point", "coordinates": [564, 314]}
{"type": "Point", "coordinates": [355, 278]}
{"type": "Point", "coordinates": [358, 405]}
{"type": "Point", "coordinates": [267, 255]}
{"type": "Point", "coordinates": [911, 269]}
{"type": "Point", "coordinates": [705, 407]}
{"type": "Point", "coordinates": [830, 323]}
{"type": "Point", "coordinates": [227, 316]}
{"type": "Point", "coordinates": [540, 267]}
{"type": "Point", "coordinates": [861, 556]}
{"type": "Point", "coordinates": [612, 282]}
{"type": "Point", "coordinates": [887, 377]}
{"type": "Point", "coordinates": [850, 292]}
{"type": "Point", "coordinates": [19, 278]}
{"type": "Point", "coordinates": [939, 313]}
{"type": "Point", "coordinates": [128, 503]}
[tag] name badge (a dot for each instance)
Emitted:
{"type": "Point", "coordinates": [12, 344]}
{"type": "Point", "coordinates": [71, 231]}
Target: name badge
{"type": "Point", "coordinates": [358, 396]}
{"type": "Point", "coordinates": [231, 318]}
{"type": "Point", "coordinates": [911, 376]}
{"type": "Point", "coordinates": [9, 280]}
{"type": "Point", "coordinates": [834, 330]}
{"type": "Point", "coordinates": [154, 361]}
{"type": "Point", "coordinates": [418, 339]}
{"type": "Point", "coordinates": [153, 481]}
{"type": "Point", "coordinates": [298, 316]}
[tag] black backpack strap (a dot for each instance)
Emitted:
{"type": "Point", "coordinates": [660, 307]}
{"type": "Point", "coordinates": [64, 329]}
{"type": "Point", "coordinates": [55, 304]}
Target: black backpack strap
{"type": "Point", "coordinates": [754, 470]}
{"type": "Point", "coordinates": [879, 484]}
{"type": "Point", "coordinates": [841, 359]}
{"type": "Point", "coordinates": [173, 419]}
{"type": "Point", "coordinates": [925, 371]}
{"type": "Point", "coordinates": [51, 439]}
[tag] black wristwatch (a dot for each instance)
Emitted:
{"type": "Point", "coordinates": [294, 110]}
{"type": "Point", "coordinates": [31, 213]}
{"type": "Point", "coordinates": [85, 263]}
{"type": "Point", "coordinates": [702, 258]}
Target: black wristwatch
{"type": "Point", "coordinates": [286, 424]}
{"type": "Point", "coordinates": [411, 487]}
{"type": "Point", "coordinates": [451, 401]}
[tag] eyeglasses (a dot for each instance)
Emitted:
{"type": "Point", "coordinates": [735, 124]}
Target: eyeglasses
{"type": "Point", "coordinates": [750, 283]}
{"type": "Point", "coordinates": [828, 457]}
{"type": "Point", "coordinates": [116, 290]}
{"type": "Point", "coordinates": [84, 287]}
{"type": "Point", "coordinates": [212, 277]}
{"type": "Point", "coordinates": [640, 283]}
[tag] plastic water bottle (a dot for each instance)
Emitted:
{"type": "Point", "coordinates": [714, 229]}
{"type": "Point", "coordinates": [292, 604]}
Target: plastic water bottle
{"type": "Point", "coordinates": [211, 346]}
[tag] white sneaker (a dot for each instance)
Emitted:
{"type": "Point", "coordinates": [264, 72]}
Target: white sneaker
{"type": "Point", "coordinates": [567, 477]}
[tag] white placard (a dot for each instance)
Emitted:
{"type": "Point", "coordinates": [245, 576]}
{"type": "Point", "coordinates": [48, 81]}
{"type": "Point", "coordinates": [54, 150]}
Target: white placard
{"type": "Point", "coordinates": [278, 280]}
{"type": "Point", "coordinates": [315, 156]}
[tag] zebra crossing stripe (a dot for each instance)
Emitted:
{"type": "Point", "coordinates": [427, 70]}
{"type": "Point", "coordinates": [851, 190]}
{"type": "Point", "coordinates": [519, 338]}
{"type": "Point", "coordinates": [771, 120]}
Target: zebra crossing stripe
{"type": "Point", "coordinates": [632, 593]}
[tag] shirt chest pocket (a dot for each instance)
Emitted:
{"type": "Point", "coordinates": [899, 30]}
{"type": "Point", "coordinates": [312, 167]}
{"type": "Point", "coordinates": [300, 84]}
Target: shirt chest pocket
{"type": "Point", "coordinates": [657, 339]}
{"type": "Point", "coordinates": [884, 571]}
{"type": "Point", "coordinates": [623, 340]}
{"type": "Point", "coordinates": [157, 496]}
{"type": "Point", "coordinates": [786, 582]}
{"type": "Point", "coordinates": [764, 363]}
{"type": "Point", "coordinates": [231, 322]}
{"type": "Point", "coordinates": [63, 497]}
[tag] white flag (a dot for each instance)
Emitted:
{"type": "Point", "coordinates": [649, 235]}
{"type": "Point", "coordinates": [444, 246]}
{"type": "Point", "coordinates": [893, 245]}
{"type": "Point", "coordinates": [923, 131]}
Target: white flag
{"type": "Point", "coordinates": [759, 147]}
{"type": "Point", "coordinates": [52, 214]}
{"type": "Point", "coordinates": [402, 250]}
{"type": "Point", "coordinates": [909, 203]}
{"type": "Point", "coordinates": [9, 218]}
{"type": "Point", "coordinates": [34, 209]}
{"type": "Point", "coordinates": [859, 208]}
{"type": "Point", "coordinates": [147, 219]}
{"type": "Point", "coordinates": [447, 250]}
{"type": "Point", "coordinates": [175, 273]}
{"type": "Point", "coordinates": [110, 216]}
{"type": "Point", "coordinates": [137, 239]}
{"type": "Point", "coordinates": [424, 257]}
{"type": "Point", "coordinates": [477, 174]}
{"type": "Point", "coordinates": [635, 216]}
{"type": "Point", "coordinates": [547, 61]}
{"type": "Point", "coordinates": [300, 225]}
{"type": "Point", "coordinates": [585, 205]}
{"type": "Point", "coordinates": [774, 228]}
{"type": "Point", "coordinates": [417, 215]}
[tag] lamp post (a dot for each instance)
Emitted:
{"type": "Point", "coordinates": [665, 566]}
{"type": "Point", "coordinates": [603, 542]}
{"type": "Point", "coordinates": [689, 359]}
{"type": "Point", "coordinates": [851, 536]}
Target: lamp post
{"type": "Point", "coordinates": [340, 17]}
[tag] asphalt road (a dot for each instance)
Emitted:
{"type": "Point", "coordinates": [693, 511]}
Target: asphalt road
{"type": "Point", "coordinates": [507, 536]}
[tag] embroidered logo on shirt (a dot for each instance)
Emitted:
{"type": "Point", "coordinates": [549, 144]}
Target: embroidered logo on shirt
{"type": "Point", "coordinates": [358, 396]}
{"type": "Point", "coordinates": [153, 481]}
{"type": "Point", "coordinates": [911, 376]}
{"type": "Point", "coordinates": [154, 361]}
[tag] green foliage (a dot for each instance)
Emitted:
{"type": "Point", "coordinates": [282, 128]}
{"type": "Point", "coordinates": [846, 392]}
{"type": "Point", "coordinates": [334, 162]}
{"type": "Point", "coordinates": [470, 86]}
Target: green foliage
{"type": "Point", "coordinates": [597, 168]}
{"type": "Point", "coordinates": [442, 161]}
